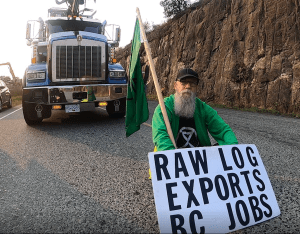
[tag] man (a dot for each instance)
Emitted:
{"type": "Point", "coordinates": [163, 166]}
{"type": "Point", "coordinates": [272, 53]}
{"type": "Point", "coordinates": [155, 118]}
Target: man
{"type": "Point", "coordinates": [190, 118]}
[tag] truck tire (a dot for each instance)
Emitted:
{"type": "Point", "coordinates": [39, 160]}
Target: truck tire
{"type": "Point", "coordinates": [46, 112]}
{"type": "Point", "coordinates": [110, 108]}
{"type": "Point", "coordinates": [28, 112]}
{"type": "Point", "coordinates": [117, 115]}
{"type": "Point", "coordinates": [1, 105]}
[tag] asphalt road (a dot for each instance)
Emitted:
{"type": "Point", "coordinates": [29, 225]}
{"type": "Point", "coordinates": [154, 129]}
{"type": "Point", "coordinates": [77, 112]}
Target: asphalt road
{"type": "Point", "coordinates": [79, 173]}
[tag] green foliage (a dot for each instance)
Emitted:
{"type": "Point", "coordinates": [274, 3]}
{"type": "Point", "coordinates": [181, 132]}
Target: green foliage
{"type": "Point", "coordinates": [147, 26]}
{"type": "Point", "coordinates": [173, 7]}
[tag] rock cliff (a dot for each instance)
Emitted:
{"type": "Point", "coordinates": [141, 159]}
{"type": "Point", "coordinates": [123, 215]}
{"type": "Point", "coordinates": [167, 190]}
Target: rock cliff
{"type": "Point", "coordinates": [247, 52]}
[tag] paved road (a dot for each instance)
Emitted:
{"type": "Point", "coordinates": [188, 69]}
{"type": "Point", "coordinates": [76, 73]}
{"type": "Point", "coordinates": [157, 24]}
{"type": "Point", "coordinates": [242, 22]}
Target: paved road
{"type": "Point", "coordinates": [79, 173]}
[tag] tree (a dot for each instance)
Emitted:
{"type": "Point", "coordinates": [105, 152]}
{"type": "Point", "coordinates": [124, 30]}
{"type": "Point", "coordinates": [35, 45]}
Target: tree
{"type": "Point", "coordinates": [147, 26]}
{"type": "Point", "coordinates": [173, 7]}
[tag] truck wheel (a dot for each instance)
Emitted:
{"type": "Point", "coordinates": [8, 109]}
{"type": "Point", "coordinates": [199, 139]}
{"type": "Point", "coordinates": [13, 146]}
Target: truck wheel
{"type": "Point", "coordinates": [0, 105]}
{"type": "Point", "coordinates": [28, 112]}
{"type": "Point", "coordinates": [117, 115]}
{"type": "Point", "coordinates": [46, 112]}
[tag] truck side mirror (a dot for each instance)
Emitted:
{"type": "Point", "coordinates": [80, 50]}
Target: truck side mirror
{"type": "Point", "coordinates": [118, 35]}
{"type": "Point", "coordinates": [28, 31]}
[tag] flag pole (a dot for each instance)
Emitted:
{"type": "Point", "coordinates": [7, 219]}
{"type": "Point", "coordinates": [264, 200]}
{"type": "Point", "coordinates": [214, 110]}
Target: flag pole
{"type": "Point", "coordinates": [157, 86]}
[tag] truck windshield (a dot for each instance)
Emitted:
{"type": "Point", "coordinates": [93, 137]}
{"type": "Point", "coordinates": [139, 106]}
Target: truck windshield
{"type": "Point", "coordinates": [56, 26]}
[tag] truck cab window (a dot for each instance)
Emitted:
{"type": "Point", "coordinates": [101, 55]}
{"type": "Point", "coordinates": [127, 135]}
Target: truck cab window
{"type": "Point", "coordinates": [56, 26]}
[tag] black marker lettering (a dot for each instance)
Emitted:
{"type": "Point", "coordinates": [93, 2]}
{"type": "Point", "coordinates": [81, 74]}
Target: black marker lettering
{"type": "Point", "coordinates": [178, 157]}
{"type": "Point", "coordinates": [262, 188]}
{"type": "Point", "coordinates": [192, 222]}
{"type": "Point", "coordinates": [233, 151]}
{"type": "Point", "coordinates": [252, 160]}
{"type": "Point", "coordinates": [199, 160]}
{"type": "Point", "coordinates": [205, 190]}
{"type": "Point", "coordinates": [178, 227]}
{"type": "Point", "coordinates": [234, 185]}
{"type": "Point", "coordinates": [245, 174]}
{"type": "Point", "coordinates": [239, 215]}
{"type": "Point", "coordinates": [171, 196]}
{"type": "Point", "coordinates": [268, 215]}
{"type": "Point", "coordinates": [230, 213]}
{"type": "Point", "coordinates": [225, 167]}
{"type": "Point", "coordinates": [218, 187]}
{"type": "Point", "coordinates": [255, 208]}
{"type": "Point", "coordinates": [162, 166]}
{"type": "Point", "coordinates": [190, 190]}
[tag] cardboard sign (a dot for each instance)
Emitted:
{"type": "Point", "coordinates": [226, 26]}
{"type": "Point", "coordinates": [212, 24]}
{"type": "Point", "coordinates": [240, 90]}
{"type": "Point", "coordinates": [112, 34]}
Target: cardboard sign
{"type": "Point", "coordinates": [211, 189]}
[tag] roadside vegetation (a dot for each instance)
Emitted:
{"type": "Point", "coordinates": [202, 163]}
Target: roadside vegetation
{"type": "Point", "coordinates": [16, 95]}
{"type": "Point", "coordinates": [174, 7]}
{"type": "Point", "coordinates": [16, 100]}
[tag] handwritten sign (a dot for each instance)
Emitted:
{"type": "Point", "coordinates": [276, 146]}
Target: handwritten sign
{"type": "Point", "coordinates": [211, 189]}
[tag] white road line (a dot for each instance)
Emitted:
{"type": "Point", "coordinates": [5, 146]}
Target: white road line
{"type": "Point", "coordinates": [10, 113]}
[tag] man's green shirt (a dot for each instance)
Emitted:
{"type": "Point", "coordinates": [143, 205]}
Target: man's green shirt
{"type": "Point", "coordinates": [206, 120]}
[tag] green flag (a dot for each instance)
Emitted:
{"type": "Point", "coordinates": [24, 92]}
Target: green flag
{"type": "Point", "coordinates": [136, 105]}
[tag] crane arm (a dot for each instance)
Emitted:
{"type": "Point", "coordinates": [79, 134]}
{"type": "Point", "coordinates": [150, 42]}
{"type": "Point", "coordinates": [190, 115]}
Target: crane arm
{"type": "Point", "coordinates": [10, 69]}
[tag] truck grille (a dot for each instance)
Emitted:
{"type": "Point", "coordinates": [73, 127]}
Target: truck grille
{"type": "Point", "coordinates": [78, 61]}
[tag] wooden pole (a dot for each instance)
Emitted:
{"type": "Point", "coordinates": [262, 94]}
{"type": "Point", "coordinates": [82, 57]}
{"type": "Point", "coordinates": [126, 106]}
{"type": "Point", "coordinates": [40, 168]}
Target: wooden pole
{"type": "Point", "coordinates": [157, 86]}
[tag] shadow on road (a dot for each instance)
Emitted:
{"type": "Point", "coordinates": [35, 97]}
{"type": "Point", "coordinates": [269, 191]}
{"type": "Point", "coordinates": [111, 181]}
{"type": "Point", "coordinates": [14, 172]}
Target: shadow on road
{"type": "Point", "coordinates": [36, 200]}
{"type": "Point", "coordinates": [89, 153]}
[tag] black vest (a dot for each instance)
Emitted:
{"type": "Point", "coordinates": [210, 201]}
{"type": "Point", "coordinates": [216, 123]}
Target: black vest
{"type": "Point", "coordinates": [187, 136]}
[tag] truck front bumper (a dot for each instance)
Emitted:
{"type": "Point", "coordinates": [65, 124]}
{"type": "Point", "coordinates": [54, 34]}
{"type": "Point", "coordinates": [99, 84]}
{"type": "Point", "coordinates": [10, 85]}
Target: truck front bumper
{"type": "Point", "coordinates": [51, 95]}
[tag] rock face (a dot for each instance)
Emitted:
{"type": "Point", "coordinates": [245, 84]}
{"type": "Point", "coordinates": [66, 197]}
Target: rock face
{"type": "Point", "coordinates": [247, 52]}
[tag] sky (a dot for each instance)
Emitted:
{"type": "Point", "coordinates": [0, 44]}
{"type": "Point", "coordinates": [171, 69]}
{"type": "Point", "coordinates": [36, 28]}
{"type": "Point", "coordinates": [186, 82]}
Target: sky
{"type": "Point", "coordinates": [15, 14]}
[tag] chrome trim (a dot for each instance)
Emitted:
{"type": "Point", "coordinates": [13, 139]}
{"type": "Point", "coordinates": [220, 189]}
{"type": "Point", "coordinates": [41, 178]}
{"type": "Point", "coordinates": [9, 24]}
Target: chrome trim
{"type": "Point", "coordinates": [35, 72]}
{"type": "Point", "coordinates": [102, 92]}
{"type": "Point", "coordinates": [122, 76]}
{"type": "Point", "coordinates": [101, 68]}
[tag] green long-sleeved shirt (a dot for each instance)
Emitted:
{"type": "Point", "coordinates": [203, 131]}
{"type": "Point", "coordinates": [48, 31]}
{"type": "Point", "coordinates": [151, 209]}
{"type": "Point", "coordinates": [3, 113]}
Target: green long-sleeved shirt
{"type": "Point", "coordinates": [206, 119]}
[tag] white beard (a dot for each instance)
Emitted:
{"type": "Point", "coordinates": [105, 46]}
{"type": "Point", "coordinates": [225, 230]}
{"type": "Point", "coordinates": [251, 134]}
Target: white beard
{"type": "Point", "coordinates": [184, 104]}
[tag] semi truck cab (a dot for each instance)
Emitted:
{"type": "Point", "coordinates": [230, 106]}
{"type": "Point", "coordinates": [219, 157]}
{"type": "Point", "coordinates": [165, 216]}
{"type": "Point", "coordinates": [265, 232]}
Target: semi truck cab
{"type": "Point", "coordinates": [72, 67]}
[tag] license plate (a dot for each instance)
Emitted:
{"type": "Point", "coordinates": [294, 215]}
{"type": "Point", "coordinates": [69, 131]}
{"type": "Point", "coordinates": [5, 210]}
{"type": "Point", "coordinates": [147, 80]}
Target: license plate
{"type": "Point", "coordinates": [72, 108]}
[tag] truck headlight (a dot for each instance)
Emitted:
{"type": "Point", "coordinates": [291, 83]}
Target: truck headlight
{"type": "Point", "coordinates": [36, 76]}
{"type": "Point", "coordinates": [41, 75]}
{"type": "Point", "coordinates": [31, 76]}
{"type": "Point", "coordinates": [117, 74]}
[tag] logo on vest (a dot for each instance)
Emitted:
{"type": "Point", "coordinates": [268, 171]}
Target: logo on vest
{"type": "Point", "coordinates": [187, 134]}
